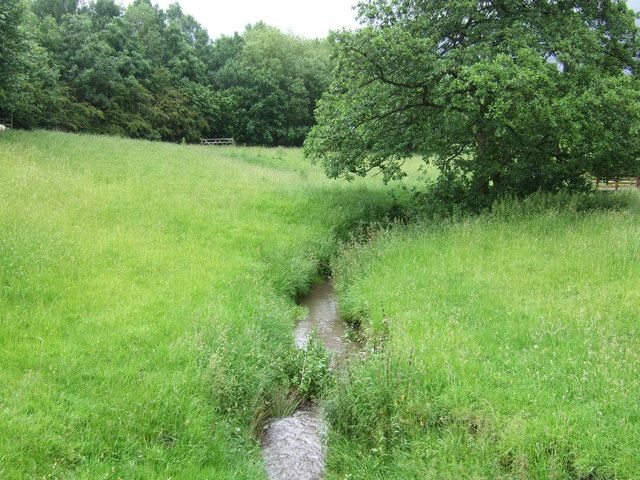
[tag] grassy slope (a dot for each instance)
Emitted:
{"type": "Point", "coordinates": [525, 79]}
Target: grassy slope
{"type": "Point", "coordinates": [143, 288]}
{"type": "Point", "coordinates": [513, 350]}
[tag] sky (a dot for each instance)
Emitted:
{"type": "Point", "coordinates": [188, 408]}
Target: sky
{"type": "Point", "coordinates": [307, 18]}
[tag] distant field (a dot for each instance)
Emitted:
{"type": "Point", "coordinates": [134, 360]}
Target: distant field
{"type": "Point", "coordinates": [513, 349]}
{"type": "Point", "coordinates": [146, 298]}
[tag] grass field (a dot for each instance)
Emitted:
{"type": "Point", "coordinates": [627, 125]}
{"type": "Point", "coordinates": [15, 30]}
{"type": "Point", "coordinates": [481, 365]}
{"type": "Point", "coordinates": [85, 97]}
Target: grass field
{"type": "Point", "coordinates": [147, 300]}
{"type": "Point", "coordinates": [512, 348]}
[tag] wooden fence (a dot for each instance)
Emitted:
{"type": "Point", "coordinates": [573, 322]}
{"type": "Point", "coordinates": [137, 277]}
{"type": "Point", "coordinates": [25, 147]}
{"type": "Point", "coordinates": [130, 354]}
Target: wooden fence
{"type": "Point", "coordinates": [217, 142]}
{"type": "Point", "coordinates": [7, 121]}
{"type": "Point", "coordinates": [623, 183]}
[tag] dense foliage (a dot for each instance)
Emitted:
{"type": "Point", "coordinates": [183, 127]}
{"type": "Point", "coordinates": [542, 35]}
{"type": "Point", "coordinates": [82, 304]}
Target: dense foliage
{"type": "Point", "coordinates": [504, 96]}
{"type": "Point", "coordinates": [147, 73]}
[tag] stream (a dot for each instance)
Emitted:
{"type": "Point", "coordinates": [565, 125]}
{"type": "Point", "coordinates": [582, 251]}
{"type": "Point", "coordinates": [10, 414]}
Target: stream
{"type": "Point", "coordinates": [293, 448]}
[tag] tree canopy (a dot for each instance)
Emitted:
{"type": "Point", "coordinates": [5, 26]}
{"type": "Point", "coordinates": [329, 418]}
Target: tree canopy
{"type": "Point", "coordinates": [504, 96]}
{"type": "Point", "coordinates": [145, 72]}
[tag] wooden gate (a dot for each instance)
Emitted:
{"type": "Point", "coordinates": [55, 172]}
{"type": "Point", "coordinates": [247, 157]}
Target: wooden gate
{"type": "Point", "coordinates": [217, 142]}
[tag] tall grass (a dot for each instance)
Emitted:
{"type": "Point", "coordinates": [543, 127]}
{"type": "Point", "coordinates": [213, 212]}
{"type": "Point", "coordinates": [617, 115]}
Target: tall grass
{"type": "Point", "coordinates": [512, 346]}
{"type": "Point", "coordinates": [146, 301]}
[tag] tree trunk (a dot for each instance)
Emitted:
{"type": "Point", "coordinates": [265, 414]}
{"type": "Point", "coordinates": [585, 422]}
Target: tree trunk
{"type": "Point", "coordinates": [486, 174]}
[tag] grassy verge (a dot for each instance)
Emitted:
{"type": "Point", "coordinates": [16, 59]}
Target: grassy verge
{"type": "Point", "coordinates": [146, 298]}
{"type": "Point", "coordinates": [511, 347]}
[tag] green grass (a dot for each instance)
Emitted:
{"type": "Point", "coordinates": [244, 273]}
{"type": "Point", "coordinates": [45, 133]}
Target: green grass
{"type": "Point", "coordinates": [147, 303]}
{"type": "Point", "coordinates": [512, 348]}
{"type": "Point", "coordinates": [146, 300]}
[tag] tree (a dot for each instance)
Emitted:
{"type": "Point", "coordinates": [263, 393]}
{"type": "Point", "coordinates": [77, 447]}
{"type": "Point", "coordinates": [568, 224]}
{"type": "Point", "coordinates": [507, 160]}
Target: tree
{"type": "Point", "coordinates": [277, 80]}
{"type": "Point", "coordinates": [104, 11]}
{"type": "Point", "coordinates": [35, 96]}
{"type": "Point", "coordinates": [28, 78]}
{"type": "Point", "coordinates": [11, 15]}
{"type": "Point", "coordinates": [145, 72]}
{"type": "Point", "coordinates": [499, 94]}
{"type": "Point", "coordinates": [55, 8]}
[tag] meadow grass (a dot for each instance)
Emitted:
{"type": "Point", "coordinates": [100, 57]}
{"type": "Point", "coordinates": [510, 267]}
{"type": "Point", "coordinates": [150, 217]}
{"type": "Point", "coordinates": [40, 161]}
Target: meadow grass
{"type": "Point", "coordinates": [147, 300]}
{"type": "Point", "coordinates": [510, 347]}
{"type": "Point", "coordinates": [147, 303]}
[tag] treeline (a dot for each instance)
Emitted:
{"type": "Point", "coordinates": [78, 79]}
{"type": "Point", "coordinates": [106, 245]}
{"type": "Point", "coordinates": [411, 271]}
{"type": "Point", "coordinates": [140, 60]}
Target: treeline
{"type": "Point", "coordinates": [144, 72]}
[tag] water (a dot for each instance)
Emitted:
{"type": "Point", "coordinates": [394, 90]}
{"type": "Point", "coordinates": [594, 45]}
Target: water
{"type": "Point", "coordinates": [324, 319]}
{"type": "Point", "coordinates": [293, 448]}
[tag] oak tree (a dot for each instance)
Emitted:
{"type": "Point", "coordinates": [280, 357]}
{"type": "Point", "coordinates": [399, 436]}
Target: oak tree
{"type": "Point", "coordinates": [504, 96]}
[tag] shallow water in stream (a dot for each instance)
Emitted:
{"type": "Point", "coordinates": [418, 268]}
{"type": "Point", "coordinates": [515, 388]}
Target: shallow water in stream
{"type": "Point", "coordinates": [293, 448]}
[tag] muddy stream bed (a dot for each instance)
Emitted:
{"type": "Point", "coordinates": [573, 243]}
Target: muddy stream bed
{"type": "Point", "coordinates": [293, 448]}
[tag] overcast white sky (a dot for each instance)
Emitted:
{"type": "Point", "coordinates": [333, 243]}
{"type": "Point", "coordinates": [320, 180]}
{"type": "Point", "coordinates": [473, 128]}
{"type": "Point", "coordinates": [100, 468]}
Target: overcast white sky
{"type": "Point", "coordinates": [308, 18]}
